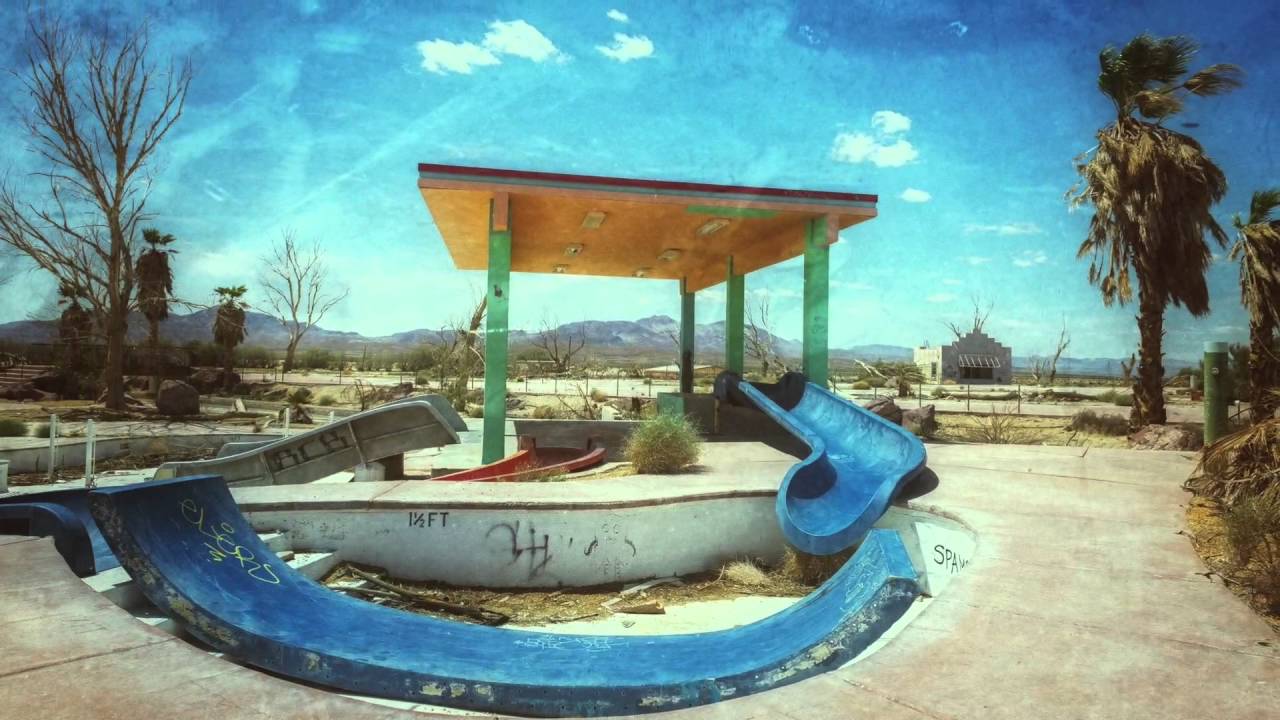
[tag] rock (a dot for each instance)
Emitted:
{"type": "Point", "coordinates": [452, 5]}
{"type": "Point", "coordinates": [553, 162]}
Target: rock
{"type": "Point", "coordinates": [474, 410]}
{"type": "Point", "coordinates": [209, 380]}
{"type": "Point", "coordinates": [924, 419]}
{"type": "Point", "coordinates": [885, 408]}
{"type": "Point", "coordinates": [21, 392]}
{"type": "Point", "coordinates": [177, 398]}
{"type": "Point", "coordinates": [514, 403]}
{"type": "Point", "coordinates": [1167, 437]}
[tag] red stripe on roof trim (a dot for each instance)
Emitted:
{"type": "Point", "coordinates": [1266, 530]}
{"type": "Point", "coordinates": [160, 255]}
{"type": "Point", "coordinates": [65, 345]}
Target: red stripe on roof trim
{"type": "Point", "coordinates": [495, 173]}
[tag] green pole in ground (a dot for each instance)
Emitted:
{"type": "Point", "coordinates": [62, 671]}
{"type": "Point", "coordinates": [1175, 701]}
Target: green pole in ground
{"type": "Point", "coordinates": [734, 307]}
{"type": "Point", "coordinates": [1217, 386]}
{"type": "Point", "coordinates": [816, 255]}
{"type": "Point", "coordinates": [686, 338]}
{"type": "Point", "coordinates": [495, 342]}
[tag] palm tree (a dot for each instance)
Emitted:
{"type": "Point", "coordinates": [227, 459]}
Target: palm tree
{"type": "Point", "coordinates": [1151, 189]}
{"type": "Point", "coordinates": [228, 327]}
{"type": "Point", "coordinates": [155, 288]}
{"type": "Point", "coordinates": [74, 325]}
{"type": "Point", "coordinates": [1258, 250]}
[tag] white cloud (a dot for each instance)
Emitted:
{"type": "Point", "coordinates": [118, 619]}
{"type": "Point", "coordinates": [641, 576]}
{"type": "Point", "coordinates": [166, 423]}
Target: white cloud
{"type": "Point", "coordinates": [1028, 258]}
{"type": "Point", "coordinates": [519, 38]}
{"type": "Point", "coordinates": [975, 260]}
{"type": "Point", "coordinates": [915, 196]}
{"type": "Point", "coordinates": [884, 147]}
{"type": "Point", "coordinates": [940, 298]}
{"type": "Point", "coordinates": [513, 37]}
{"type": "Point", "coordinates": [776, 293]}
{"type": "Point", "coordinates": [442, 56]}
{"type": "Point", "coordinates": [618, 15]}
{"type": "Point", "coordinates": [626, 48]}
{"type": "Point", "coordinates": [952, 282]}
{"type": "Point", "coordinates": [890, 122]}
{"type": "Point", "coordinates": [1006, 229]}
{"type": "Point", "coordinates": [958, 28]}
{"type": "Point", "coordinates": [861, 147]}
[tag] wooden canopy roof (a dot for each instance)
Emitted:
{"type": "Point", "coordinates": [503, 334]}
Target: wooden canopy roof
{"type": "Point", "coordinates": [620, 227]}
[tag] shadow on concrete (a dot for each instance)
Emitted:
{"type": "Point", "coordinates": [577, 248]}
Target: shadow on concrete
{"type": "Point", "coordinates": [925, 482]}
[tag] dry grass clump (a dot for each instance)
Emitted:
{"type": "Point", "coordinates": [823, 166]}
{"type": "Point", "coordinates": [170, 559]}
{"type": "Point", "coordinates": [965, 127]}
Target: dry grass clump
{"type": "Point", "coordinates": [1253, 535]}
{"type": "Point", "coordinates": [1002, 427]}
{"type": "Point", "coordinates": [666, 444]}
{"type": "Point", "coordinates": [814, 570]}
{"type": "Point", "coordinates": [1091, 422]}
{"type": "Point", "coordinates": [744, 572]}
{"type": "Point", "coordinates": [1244, 464]}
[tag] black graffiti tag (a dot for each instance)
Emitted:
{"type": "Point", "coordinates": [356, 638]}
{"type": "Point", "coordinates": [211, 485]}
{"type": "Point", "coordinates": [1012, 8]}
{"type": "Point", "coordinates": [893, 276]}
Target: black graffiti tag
{"type": "Point", "coordinates": [532, 549]}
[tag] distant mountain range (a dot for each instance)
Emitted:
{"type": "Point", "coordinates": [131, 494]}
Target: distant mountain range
{"type": "Point", "coordinates": [650, 338]}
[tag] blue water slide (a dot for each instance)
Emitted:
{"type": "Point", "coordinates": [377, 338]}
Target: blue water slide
{"type": "Point", "coordinates": [857, 462]}
{"type": "Point", "coordinates": [197, 558]}
{"type": "Point", "coordinates": [64, 516]}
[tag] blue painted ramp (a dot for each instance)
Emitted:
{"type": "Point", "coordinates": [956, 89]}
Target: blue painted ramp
{"type": "Point", "coordinates": [195, 556]}
{"type": "Point", "coordinates": [857, 462]}
{"type": "Point", "coordinates": [64, 516]}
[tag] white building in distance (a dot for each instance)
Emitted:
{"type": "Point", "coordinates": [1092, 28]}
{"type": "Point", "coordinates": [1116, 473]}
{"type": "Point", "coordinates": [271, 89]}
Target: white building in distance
{"type": "Point", "coordinates": [975, 359]}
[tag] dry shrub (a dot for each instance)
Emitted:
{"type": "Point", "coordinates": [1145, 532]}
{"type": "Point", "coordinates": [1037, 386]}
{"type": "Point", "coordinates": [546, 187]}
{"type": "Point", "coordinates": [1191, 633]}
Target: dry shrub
{"type": "Point", "coordinates": [12, 428]}
{"type": "Point", "coordinates": [1253, 534]}
{"type": "Point", "coordinates": [666, 444]}
{"type": "Point", "coordinates": [598, 395]}
{"type": "Point", "coordinates": [1242, 465]}
{"type": "Point", "coordinates": [1001, 428]}
{"type": "Point", "coordinates": [813, 569]}
{"type": "Point", "coordinates": [1089, 421]}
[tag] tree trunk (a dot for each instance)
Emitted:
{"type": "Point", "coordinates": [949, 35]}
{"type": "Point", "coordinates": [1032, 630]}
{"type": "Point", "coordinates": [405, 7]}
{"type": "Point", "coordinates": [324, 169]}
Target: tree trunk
{"type": "Point", "coordinates": [290, 351]}
{"type": "Point", "coordinates": [153, 339]}
{"type": "Point", "coordinates": [113, 373]}
{"type": "Point", "coordinates": [228, 367]}
{"type": "Point", "coordinates": [1148, 385]}
{"type": "Point", "coordinates": [1264, 371]}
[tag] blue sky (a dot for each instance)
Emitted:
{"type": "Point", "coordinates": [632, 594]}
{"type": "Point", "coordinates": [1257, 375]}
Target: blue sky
{"type": "Point", "coordinates": [963, 117]}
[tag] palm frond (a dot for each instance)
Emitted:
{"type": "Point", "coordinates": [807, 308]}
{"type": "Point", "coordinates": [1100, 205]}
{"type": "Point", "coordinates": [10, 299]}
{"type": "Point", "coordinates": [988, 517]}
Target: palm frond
{"type": "Point", "coordinates": [1215, 80]}
{"type": "Point", "coordinates": [1158, 104]}
{"type": "Point", "coordinates": [1263, 205]}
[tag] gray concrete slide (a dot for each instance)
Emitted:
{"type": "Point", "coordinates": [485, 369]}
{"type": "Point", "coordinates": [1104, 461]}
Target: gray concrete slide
{"type": "Point", "coordinates": [391, 429]}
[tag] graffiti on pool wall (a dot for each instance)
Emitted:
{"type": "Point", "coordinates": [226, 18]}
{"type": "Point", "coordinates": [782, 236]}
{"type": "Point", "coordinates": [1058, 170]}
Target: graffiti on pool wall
{"type": "Point", "coordinates": [223, 545]}
{"type": "Point", "coordinates": [539, 555]}
{"type": "Point", "coordinates": [325, 443]}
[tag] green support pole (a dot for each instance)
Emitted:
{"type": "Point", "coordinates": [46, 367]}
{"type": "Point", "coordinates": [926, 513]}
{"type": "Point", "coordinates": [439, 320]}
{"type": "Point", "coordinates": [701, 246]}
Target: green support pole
{"type": "Point", "coordinates": [735, 304]}
{"type": "Point", "coordinates": [1217, 387]}
{"type": "Point", "coordinates": [495, 343]}
{"type": "Point", "coordinates": [816, 256]}
{"type": "Point", "coordinates": [686, 338]}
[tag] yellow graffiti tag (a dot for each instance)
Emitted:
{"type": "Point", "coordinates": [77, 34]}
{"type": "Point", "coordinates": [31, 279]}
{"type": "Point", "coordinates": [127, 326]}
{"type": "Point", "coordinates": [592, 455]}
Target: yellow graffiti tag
{"type": "Point", "coordinates": [222, 546]}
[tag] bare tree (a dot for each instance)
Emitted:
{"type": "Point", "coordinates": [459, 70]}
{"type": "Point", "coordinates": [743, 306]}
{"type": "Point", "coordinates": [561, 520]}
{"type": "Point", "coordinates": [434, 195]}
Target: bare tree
{"type": "Point", "coordinates": [979, 322]}
{"type": "Point", "coordinates": [460, 347]}
{"type": "Point", "coordinates": [560, 342]}
{"type": "Point", "coordinates": [299, 293]}
{"type": "Point", "coordinates": [1044, 370]}
{"type": "Point", "coordinates": [99, 109]}
{"type": "Point", "coordinates": [762, 344]}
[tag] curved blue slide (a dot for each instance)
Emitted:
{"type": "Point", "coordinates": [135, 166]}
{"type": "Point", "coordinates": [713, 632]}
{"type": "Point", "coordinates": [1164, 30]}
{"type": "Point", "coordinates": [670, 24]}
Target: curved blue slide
{"type": "Point", "coordinates": [64, 516]}
{"type": "Point", "coordinates": [194, 555]}
{"type": "Point", "coordinates": [857, 462]}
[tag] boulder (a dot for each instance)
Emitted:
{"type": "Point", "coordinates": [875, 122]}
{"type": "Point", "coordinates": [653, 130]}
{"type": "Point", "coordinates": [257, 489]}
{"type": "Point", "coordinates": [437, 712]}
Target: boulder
{"type": "Point", "coordinates": [924, 419]}
{"type": "Point", "coordinates": [176, 398]}
{"type": "Point", "coordinates": [209, 380]}
{"type": "Point", "coordinates": [885, 408]}
{"type": "Point", "coordinates": [1167, 437]}
{"type": "Point", "coordinates": [20, 392]}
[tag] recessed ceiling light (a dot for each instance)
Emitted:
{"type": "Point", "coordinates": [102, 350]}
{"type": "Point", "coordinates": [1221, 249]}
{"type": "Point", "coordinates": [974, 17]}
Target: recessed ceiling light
{"type": "Point", "coordinates": [560, 269]}
{"type": "Point", "coordinates": [572, 250]}
{"type": "Point", "coordinates": [641, 272]}
{"type": "Point", "coordinates": [593, 220]}
{"type": "Point", "coordinates": [711, 226]}
{"type": "Point", "coordinates": [670, 254]}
